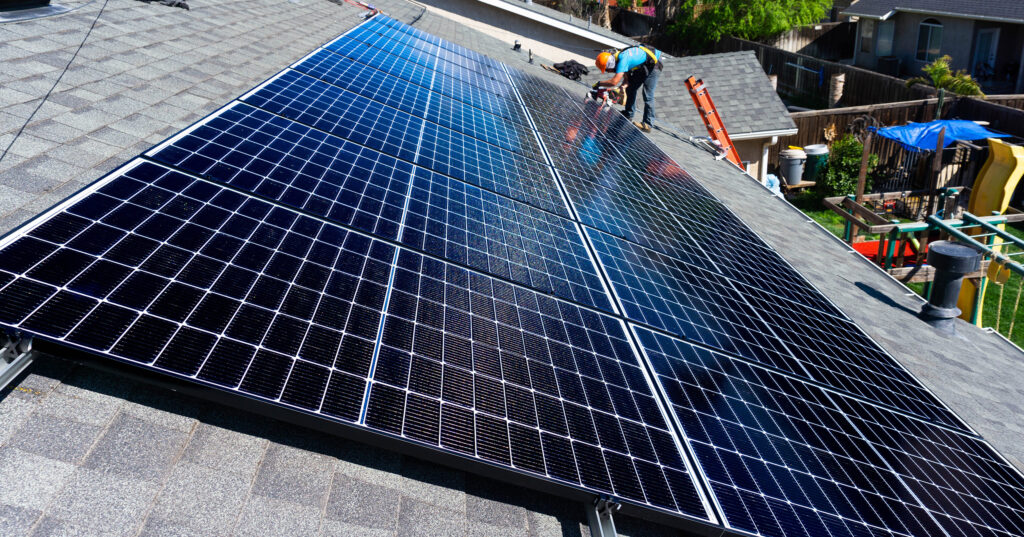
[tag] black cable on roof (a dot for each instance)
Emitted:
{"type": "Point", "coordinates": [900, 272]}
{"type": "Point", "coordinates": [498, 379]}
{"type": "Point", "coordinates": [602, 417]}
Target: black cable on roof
{"type": "Point", "coordinates": [55, 82]}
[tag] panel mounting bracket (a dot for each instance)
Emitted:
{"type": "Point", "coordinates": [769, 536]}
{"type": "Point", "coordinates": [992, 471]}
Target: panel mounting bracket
{"type": "Point", "coordinates": [599, 516]}
{"type": "Point", "coordinates": [15, 355]}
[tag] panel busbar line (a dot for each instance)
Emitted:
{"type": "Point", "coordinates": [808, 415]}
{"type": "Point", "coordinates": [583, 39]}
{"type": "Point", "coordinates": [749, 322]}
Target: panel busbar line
{"type": "Point", "coordinates": [182, 276]}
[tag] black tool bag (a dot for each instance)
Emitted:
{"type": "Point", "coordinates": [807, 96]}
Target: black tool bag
{"type": "Point", "coordinates": [571, 69]}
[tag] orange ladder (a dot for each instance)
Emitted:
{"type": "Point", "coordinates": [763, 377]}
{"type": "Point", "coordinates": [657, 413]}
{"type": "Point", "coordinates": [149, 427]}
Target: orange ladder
{"type": "Point", "coordinates": [712, 120]}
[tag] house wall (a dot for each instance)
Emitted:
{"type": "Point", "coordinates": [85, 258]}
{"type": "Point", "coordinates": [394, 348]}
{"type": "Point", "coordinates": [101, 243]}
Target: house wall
{"type": "Point", "coordinates": [957, 40]}
{"type": "Point", "coordinates": [1008, 51]}
{"type": "Point", "coordinates": [750, 151]}
{"type": "Point", "coordinates": [550, 43]}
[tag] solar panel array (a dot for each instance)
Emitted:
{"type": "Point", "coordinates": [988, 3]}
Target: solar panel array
{"type": "Point", "coordinates": [400, 235]}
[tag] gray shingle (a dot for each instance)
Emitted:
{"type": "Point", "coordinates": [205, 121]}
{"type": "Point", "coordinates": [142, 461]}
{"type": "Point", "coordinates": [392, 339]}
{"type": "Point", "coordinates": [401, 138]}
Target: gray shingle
{"type": "Point", "coordinates": [295, 475]}
{"type": "Point", "coordinates": [134, 448]}
{"type": "Point", "coordinates": [265, 516]}
{"type": "Point", "coordinates": [31, 481]}
{"type": "Point", "coordinates": [204, 499]}
{"type": "Point", "coordinates": [419, 519]}
{"type": "Point", "coordinates": [996, 9]}
{"type": "Point", "coordinates": [17, 520]}
{"type": "Point", "coordinates": [55, 438]}
{"type": "Point", "coordinates": [103, 502]}
{"type": "Point", "coordinates": [230, 451]}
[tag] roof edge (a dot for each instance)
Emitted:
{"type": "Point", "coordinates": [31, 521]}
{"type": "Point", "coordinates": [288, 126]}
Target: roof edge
{"type": "Point", "coordinates": [933, 12]}
{"type": "Point", "coordinates": [564, 26]}
{"type": "Point", "coordinates": [763, 134]}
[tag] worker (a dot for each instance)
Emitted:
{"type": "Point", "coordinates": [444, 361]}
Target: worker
{"type": "Point", "coordinates": [637, 66]}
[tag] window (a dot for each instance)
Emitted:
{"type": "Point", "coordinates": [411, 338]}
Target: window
{"type": "Point", "coordinates": [929, 40]}
{"type": "Point", "coordinates": [867, 35]}
{"type": "Point", "coordinates": [885, 34]}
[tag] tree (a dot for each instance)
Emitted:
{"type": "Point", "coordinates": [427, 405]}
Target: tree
{"type": "Point", "coordinates": [700, 23]}
{"type": "Point", "coordinates": [942, 77]}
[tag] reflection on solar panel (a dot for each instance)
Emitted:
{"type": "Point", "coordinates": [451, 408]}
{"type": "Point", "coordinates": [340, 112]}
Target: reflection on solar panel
{"type": "Point", "coordinates": [402, 236]}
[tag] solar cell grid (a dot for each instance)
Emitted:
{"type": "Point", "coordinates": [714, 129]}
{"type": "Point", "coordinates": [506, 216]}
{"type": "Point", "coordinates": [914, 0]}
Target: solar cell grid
{"type": "Point", "coordinates": [190, 278]}
{"type": "Point", "coordinates": [788, 458]}
{"type": "Point", "coordinates": [946, 469]}
{"type": "Point", "coordinates": [284, 161]}
{"type": "Point", "coordinates": [493, 371]}
{"type": "Point", "coordinates": [398, 93]}
{"type": "Point", "coordinates": [490, 167]}
{"type": "Point", "coordinates": [494, 234]}
{"type": "Point", "coordinates": [335, 68]}
{"type": "Point", "coordinates": [357, 118]}
{"type": "Point", "coordinates": [728, 241]}
{"type": "Point", "coordinates": [432, 39]}
{"type": "Point", "coordinates": [466, 75]}
{"type": "Point", "coordinates": [412, 58]}
{"type": "Point", "coordinates": [666, 293]}
{"type": "Point", "coordinates": [837, 353]}
{"type": "Point", "coordinates": [617, 213]}
{"type": "Point", "coordinates": [419, 51]}
{"type": "Point", "coordinates": [703, 306]}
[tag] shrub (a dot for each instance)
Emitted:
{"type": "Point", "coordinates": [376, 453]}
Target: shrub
{"type": "Point", "coordinates": [840, 174]}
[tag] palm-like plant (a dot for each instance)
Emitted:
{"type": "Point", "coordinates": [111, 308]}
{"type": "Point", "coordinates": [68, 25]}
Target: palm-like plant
{"type": "Point", "coordinates": [942, 77]}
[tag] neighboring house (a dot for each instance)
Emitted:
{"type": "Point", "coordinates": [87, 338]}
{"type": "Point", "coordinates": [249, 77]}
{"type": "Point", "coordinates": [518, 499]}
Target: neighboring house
{"type": "Point", "coordinates": [984, 38]}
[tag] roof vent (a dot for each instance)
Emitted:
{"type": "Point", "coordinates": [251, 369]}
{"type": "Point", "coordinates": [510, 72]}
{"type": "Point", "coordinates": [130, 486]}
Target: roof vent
{"type": "Point", "coordinates": [23, 10]}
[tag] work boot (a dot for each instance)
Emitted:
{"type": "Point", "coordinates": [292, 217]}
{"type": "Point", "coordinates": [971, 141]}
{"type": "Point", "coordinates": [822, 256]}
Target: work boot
{"type": "Point", "coordinates": [642, 126]}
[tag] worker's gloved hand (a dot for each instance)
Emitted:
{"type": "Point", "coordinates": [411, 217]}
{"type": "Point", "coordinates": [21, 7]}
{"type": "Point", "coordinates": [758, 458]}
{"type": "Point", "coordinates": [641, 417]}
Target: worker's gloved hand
{"type": "Point", "coordinates": [597, 85]}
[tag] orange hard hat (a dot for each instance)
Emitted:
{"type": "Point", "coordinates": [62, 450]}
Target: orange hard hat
{"type": "Point", "coordinates": [603, 61]}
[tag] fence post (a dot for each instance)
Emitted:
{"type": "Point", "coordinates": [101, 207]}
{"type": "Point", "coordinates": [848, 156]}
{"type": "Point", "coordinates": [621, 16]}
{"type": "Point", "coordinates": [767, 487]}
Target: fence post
{"type": "Point", "coordinates": [936, 170]}
{"type": "Point", "coordinates": [835, 89]}
{"type": "Point", "coordinates": [862, 175]}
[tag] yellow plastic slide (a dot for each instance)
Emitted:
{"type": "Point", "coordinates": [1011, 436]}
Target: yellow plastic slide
{"type": "Point", "coordinates": [991, 193]}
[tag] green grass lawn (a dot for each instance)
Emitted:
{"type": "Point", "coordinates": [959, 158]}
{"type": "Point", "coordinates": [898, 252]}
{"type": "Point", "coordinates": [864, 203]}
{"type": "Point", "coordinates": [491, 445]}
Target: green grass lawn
{"type": "Point", "coordinates": [810, 204]}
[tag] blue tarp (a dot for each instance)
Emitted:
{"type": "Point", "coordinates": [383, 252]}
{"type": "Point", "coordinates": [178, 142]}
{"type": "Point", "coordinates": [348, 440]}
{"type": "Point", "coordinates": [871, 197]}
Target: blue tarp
{"type": "Point", "coordinates": [925, 136]}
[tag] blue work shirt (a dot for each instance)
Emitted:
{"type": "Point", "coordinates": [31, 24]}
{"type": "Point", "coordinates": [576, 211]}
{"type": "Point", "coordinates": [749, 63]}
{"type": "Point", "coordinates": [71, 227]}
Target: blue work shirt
{"type": "Point", "coordinates": [633, 57]}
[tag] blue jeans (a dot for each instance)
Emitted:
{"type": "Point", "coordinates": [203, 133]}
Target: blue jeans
{"type": "Point", "coordinates": [649, 84]}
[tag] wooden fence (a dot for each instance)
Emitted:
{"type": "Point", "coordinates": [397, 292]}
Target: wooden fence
{"type": "Point", "coordinates": [805, 79]}
{"type": "Point", "coordinates": [829, 41]}
{"type": "Point", "coordinates": [816, 126]}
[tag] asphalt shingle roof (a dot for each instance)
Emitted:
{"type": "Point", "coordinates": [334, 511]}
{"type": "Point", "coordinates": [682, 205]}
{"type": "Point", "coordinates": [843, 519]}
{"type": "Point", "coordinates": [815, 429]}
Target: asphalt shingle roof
{"type": "Point", "coordinates": [990, 9]}
{"type": "Point", "coordinates": [736, 82]}
{"type": "Point", "coordinates": [89, 452]}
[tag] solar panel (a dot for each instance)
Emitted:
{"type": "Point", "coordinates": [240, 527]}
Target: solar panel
{"type": "Point", "coordinates": [784, 457]}
{"type": "Point", "coordinates": [330, 68]}
{"type": "Point", "coordinates": [400, 235]}
{"type": "Point", "coordinates": [158, 268]}
{"type": "Point", "coordinates": [457, 221]}
{"type": "Point", "coordinates": [483, 367]}
{"type": "Point", "coordinates": [483, 77]}
{"type": "Point", "coordinates": [371, 34]}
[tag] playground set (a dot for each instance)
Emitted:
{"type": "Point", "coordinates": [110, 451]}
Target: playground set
{"type": "Point", "coordinates": [893, 229]}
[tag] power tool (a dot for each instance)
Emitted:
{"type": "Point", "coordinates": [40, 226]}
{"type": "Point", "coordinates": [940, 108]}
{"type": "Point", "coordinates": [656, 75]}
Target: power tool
{"type": "Point", "coordinates": [607, 94]}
